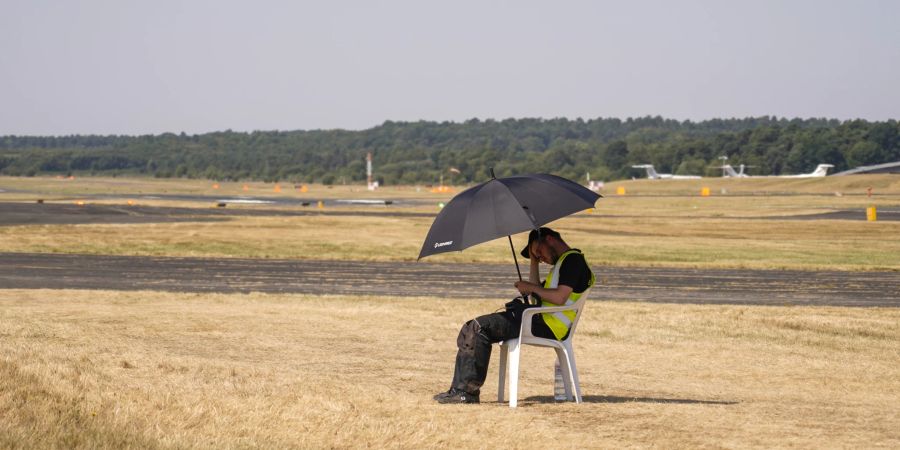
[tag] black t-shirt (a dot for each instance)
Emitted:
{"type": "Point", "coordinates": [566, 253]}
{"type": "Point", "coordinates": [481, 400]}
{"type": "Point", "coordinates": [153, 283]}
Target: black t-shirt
{"type": "Point", "coordinates": [575, 273]}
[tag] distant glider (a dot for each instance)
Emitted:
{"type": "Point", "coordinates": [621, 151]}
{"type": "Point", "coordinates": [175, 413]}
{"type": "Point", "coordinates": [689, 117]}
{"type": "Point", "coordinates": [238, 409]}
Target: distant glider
{"type": "Point", "coordinates": [653, 175]}
{"type": "Point", "coordinates": [729, 172]}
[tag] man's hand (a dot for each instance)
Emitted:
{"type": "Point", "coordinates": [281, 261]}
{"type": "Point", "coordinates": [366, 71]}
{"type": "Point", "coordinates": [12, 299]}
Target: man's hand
{"type": "Point", "coordinates": [557, 295]}
{"type": "Point", "coordinates": [526, 287]}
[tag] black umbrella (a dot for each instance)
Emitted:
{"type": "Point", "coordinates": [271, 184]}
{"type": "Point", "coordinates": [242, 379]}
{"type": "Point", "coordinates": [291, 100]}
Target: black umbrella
{"type": "Point", "coordinates": [503, 207]}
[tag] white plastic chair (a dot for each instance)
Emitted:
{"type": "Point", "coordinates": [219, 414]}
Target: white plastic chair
{"type": "Point", "coordinates": [510, 351]}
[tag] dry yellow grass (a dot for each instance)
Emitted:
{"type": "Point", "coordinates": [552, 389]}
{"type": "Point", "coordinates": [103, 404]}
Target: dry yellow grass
{"type": "Point", "coordinates": [658, 230]}
{"type": "Point", "coordinates": [658, 240]}
{"type": "Point", "coordinates": [95, 369]}
{"type": "Point", "coordinates": [88, 369]}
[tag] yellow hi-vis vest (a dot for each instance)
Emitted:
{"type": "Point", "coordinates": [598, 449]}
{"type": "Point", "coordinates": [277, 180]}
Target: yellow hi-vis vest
{"type": "Point", "coordinates": [559, 322]}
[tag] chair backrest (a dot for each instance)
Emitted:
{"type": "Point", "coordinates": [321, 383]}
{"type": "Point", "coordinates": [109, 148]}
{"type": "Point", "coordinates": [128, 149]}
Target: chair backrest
{"type": "Point", "coordinates": [579, 308]}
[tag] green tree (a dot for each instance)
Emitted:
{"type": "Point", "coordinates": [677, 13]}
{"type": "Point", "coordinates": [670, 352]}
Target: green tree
{"type": "Point", "coordinates": [866, 153]}
{"type": "Point", "coordinates": [616, 155]}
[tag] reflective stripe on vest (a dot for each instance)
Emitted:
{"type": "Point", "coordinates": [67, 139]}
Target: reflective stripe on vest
{"type": "Point", "coordinates": [559, 322]}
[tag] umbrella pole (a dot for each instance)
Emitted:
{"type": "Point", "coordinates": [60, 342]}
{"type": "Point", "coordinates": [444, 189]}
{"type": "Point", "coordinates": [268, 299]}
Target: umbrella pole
{"type": "Point", "coordinates": [514, 256]}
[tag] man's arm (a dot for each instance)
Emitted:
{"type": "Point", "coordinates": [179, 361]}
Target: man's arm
{"type": "Point", "coordinates": [534, 275]}
{"type": "Point", "coordinates": [560, 294]}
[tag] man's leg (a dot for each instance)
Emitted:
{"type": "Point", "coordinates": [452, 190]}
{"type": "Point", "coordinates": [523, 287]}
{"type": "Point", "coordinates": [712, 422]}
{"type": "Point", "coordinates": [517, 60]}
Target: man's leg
{"type": "Point", "coordinates": [474, 348]}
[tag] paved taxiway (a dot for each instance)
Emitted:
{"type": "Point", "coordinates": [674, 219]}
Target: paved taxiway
{"type": "Point", "coordinates": [350, 278]}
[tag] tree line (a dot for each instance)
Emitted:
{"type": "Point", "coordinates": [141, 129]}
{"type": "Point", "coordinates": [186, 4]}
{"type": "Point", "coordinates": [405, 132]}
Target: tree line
{"type": "Point", "coordinates": [425, 152]}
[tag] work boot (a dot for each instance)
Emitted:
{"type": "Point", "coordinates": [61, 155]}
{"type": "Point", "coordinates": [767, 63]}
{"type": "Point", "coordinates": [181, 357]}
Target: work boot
{"type": "Point", "coordinates": [456, 396]}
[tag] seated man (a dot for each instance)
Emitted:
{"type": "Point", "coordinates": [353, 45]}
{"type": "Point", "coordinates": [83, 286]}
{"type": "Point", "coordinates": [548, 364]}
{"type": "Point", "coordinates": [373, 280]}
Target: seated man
{"type": "Point", "coordinates": [569, 277]}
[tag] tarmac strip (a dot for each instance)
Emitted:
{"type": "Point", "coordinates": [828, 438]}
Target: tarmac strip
{"type": "Point", "coordinates": [18, 213]}
{"type": "Point", "coordinates": [350, 278]}
{"type": "Point", "coordinates": [12, 213]}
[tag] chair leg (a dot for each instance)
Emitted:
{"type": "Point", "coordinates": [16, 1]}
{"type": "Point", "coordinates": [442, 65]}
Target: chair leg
{"type": "Point", "coordinates": [564, 367]}
{"type": "Point", "coordinates": [514, 349]}
{"type": "Point", "coordinates": [501, 384]}
{"type": "Point", "coordinates": [572, 376]}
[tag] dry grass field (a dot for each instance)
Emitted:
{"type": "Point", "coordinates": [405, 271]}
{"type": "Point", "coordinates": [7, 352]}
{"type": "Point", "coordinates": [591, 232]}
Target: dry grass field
{"type": "Point", "coordinates": [96, 369]}
{"type": "Point", "coordinates": [744, 228]}
{"type": "Point", "coordinates": [660, 241]}
{"type": "Point", "coordinates": [103, 369]}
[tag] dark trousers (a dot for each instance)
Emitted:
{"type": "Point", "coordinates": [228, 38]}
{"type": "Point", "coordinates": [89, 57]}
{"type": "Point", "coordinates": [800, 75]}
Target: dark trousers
{"type": "Point", "coordinates": [474, 345]}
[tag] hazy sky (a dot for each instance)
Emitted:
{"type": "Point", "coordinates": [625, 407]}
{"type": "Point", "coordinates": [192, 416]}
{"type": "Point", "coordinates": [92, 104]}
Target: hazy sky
{"type": "Point", "coordinates": [137, 67]}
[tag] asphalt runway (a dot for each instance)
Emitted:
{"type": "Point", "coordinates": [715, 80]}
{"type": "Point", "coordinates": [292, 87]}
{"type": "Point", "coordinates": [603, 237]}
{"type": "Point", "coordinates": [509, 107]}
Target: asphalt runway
{"type": "Point", "coordinates": [12, 213]}
{"type": "Point", "coordinates": [19, 213]}
{"type": "Point", "coordinates": [401, 279]}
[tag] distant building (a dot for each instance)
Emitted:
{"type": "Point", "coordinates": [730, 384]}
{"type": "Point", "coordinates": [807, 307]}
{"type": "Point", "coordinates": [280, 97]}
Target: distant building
{"type": "Point", "coordinates": [893, 167]}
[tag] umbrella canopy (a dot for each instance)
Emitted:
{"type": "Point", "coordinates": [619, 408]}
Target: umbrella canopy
{"type": "Point", "coordinates": [502, 207]}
